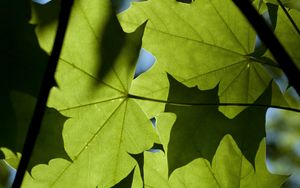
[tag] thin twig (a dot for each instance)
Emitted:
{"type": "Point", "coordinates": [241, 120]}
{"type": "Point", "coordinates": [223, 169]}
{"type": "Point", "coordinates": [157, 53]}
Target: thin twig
{"type": "Point", "coordinates": [176, 103]}
{"type": "Point", "coordinates": [48, 82]}
{"type": "Point", "coordinates": [269, 39]}
{"type": "Point", "coordinates": [289, 16]}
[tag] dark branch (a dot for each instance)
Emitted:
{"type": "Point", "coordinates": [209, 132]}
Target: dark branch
{"type": "Point", "coordinates": [269, 39]}
{"type": "Point", "coordinates": [48, 82]}
{"type": "Point", "coordinates": [289, 16]}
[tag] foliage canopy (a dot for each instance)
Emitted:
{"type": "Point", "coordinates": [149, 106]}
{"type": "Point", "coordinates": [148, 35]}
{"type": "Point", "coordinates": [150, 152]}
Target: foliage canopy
{"type": "Point", "coordinates": [208, 92]}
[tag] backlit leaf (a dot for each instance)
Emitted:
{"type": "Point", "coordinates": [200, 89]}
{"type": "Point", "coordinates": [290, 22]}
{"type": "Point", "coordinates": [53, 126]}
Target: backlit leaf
{"type": "Point", "coordinates": [205, 43]}
{"type": "Point", "coordinates": [229, 169]}
{"type": "Point", "coordinates": [104, 125]}
{"type": "Point", "coordinates": [199, 126]}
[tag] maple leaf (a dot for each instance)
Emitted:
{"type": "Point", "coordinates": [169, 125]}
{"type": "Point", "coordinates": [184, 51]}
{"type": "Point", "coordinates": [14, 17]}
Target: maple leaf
{"type": "Point", "coordinates": [229, 169]}
{"type": "Point", "coordinates": [205, 43]}
{"type": "Point", "coordinates": [24, 62]}
{"type": "Point", "coordinates": [22, 67]}
{"type": "Point", "coordinates": [199, 126]}
{"type": "Point", "coordinates": [105, 113]}
{"type": "Point", "coordinates": [153, 84]}
{"type": "Point", "coordinates": [104, 125]}
{"type": "Point", "coordinates": [50, 137]}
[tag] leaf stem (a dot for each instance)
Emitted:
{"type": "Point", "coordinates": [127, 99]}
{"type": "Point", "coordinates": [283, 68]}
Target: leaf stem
{"type": "Point", "coordinates": [289, 16]}
{"type": "Point", "coordinates": [212, 104]}
{"type": "Point", "coordinates": [47, 83]}
{"type": "Point", "coordinates": [269, 39]}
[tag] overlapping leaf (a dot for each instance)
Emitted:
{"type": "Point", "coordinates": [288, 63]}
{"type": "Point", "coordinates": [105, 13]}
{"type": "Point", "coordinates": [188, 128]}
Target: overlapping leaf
{"type": "Point", "coordinates": [293, 4]}
{"type": "Point", "coordinates": [205, 43]}
{"type": "Point", "coordinates": [285, 30]}
{"type": "Point", "coordinates": [104, 125]}
{"type": "Point", "coordinates": [199, 128]}
{"type": "Point", "coordinates": [50, 137]}
{"type": "Point", "coordinates": [229, 169]}
{"type": "Point", "coordinates": [153, 84]}
{"type": "Point", "coordinates": [22, 67]}
{"type": "Point", "coordinates": [288, 35]}
{"type": "Point", "coordinates": [21, 70]}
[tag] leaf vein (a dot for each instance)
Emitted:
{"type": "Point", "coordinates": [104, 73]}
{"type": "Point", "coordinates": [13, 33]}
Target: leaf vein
{"type": "Point", "coordinates": [91, 76]}
{"type": "Point", "coordinates": [189, 39]}
{"type": "Point", "coordinates": [228, 27]}
{"type": "Point", "coordinates": [88, 142]}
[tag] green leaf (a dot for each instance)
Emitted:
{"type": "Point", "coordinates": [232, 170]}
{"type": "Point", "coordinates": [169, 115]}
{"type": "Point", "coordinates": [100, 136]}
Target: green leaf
{"type": "Point", "coordinates": [50, 136]}
{"type": "Point", "coordinates": [22, 66]}
{"type": "Point", "coordinates": [229, 169]}
{"type": "Point", "coordinates": [41, 174]}
{"type": "Point", "coordinates": [288, 35]}
{"type": "Point", "coordinates": [262, 176]}
{"type": "Point", "coordinates": [156, 170]}
{"type": "Point", "coordinates": [18, 112]}
{"type": "Point", "coordinates": [199, 126]}
{"type": "Point", "coordinates": [156, 163]}
{"type": "Point", "coordinates": [4, 174]}
{"type": "Point", "coordinates": [104, 124]}
{"type": "Point", "coordinates": [11, 158]}
{"type": "Point", "coordinates": [206, 43]}
{"type": "Point", "coordinates": [49, 143]}
{"type": "Point", "coordinates": [126, 182]}
{"type": "Point", "coordinates": [227, 164]}
{"type": "Point", "coordinates": [152, 84]}
{"type": "Point", "coordinates": [106, 130]}
{"type": "Point", "coordinates": [139, 158]}
{"type": "Point", "coordinates": [293, 4]}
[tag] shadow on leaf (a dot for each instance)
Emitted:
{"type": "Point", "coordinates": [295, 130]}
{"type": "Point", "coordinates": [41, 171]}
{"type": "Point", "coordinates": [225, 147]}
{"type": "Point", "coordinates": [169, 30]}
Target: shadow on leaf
{"type": "Point", "coordinates": [45, 14]}
{"type": "Point", "coordinates": [22, 66]}
{"type": "Point", "coordinates": [49, 144]}
{"type": "Point", "coordinates": [199, 129]}
{"type": "Point", "coordinates": [126, 182]}
{"type": "Point", "coordinates": [111, 44]}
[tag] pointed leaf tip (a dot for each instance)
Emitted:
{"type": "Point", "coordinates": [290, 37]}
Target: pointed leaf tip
{"type": "Point", "coordinates": [199, 127]}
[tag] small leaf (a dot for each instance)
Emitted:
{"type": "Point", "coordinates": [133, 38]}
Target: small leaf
{"type": "Point", "coordinates": [11, 158]}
